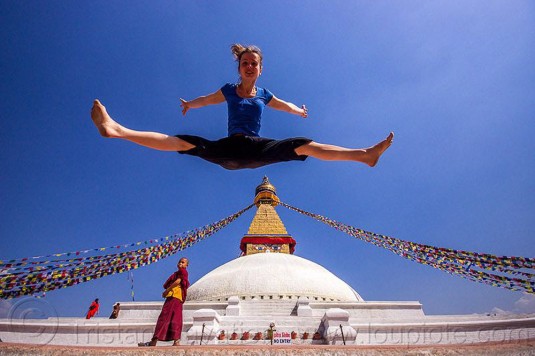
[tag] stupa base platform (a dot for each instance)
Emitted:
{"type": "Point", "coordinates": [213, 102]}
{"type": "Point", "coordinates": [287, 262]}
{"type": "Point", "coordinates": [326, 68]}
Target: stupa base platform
{"type": "Point", "coordinates": [299, 324]}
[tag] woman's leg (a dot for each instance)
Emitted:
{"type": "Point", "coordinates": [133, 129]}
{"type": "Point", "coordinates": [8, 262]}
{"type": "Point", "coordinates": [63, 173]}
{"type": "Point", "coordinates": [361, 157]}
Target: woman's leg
{"type": "Point", "coordinates": [368, 156]}
{"type": "Point", "coordinates": [158, 141]}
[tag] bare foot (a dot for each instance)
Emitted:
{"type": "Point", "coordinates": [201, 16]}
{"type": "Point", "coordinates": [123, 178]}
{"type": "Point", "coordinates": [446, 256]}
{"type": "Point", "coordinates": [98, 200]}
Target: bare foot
{"type": "Point", "coordinates": [376, 151]}
{"type": "Point", "coordinates": [176, 343]}
{"type": "Point", "coordinates": [104, 123]}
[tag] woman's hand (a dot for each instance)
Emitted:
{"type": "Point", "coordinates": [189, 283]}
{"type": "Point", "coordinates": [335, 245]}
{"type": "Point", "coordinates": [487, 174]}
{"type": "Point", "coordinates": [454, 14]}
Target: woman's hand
{"type": "Point", "coordinates": [304, 114]}
{"type": "Point", "coordinates": [201, 101]}
{"type": "Point", "coordinates": [185, 106]}
{"type": "Point", "coordinates": [288, 107]}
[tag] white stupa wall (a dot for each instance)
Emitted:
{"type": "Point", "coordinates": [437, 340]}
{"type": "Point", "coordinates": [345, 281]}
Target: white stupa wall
{"type": "Point", "coordinates": [368, 323]}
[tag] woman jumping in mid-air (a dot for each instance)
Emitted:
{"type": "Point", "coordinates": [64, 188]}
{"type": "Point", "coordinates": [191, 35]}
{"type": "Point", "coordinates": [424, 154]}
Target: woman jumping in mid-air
{"type": "Point", "coordinates": [243, 148]}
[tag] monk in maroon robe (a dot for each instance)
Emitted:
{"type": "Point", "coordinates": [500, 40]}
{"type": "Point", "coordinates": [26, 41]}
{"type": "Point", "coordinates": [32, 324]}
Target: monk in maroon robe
{"type": "Point", "coordinates": [169, 324]}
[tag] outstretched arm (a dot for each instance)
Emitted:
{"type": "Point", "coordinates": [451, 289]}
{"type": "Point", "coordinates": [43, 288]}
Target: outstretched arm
{"type": "Point", "coordinates": [288, 107]}
{"type": "Point", "coordinates": [210, 99]}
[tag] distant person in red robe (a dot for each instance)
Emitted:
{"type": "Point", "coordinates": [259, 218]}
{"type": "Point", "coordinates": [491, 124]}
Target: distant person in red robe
{"type": "Point", "coordinates": [169, 324]}
{"type": "Point", "coordinates": [93, 309]}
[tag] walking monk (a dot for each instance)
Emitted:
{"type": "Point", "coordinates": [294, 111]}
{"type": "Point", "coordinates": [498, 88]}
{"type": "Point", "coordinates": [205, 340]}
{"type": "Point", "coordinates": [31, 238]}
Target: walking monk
{"type": "Point", "coordinates": [169, 324]}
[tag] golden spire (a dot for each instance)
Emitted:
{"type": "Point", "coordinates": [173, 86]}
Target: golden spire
{"type": "Point", "coordinates": [266, 193]}
{"type": "Point", "coordinates": [266, 232]}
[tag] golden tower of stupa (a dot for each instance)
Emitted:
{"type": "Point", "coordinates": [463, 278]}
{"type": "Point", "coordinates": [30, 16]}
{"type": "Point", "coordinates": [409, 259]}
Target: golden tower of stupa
{"type": "Point", "coordinates": [266, 232]}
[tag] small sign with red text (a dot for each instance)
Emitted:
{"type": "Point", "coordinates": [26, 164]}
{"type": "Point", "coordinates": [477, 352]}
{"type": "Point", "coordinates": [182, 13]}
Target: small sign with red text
{"type": "Point", "coordinates": [282, 338]}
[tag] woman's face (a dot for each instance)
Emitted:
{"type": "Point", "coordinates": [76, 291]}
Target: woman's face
{"type": "Point", "coordinates": [250, 66]}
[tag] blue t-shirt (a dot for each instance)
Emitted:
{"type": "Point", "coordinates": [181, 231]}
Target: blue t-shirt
{"type": "Point", "coordinates": [245, 114]}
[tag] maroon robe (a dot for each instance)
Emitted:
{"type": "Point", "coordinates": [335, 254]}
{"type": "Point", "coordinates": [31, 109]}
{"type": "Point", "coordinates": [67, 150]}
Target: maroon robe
{"type": "Point", "coordinates": [169, 324]}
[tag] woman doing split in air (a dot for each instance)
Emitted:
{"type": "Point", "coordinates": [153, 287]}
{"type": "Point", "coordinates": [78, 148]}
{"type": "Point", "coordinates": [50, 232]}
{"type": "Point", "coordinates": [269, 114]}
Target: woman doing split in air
{"type": "Point", "coordinates": [243, 148]}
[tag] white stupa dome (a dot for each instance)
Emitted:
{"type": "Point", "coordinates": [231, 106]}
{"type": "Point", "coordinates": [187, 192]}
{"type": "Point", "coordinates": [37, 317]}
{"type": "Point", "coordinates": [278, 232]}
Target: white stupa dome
{"type": "Point", "coordinates": [271, 276]}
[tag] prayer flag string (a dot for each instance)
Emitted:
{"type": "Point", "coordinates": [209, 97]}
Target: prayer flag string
{"type": "Point", "coordinates": [131, 278]}
{"type": "Point", "coordinates": [500, 271]}
{"type": "Point", "coordinates": [18, 279]}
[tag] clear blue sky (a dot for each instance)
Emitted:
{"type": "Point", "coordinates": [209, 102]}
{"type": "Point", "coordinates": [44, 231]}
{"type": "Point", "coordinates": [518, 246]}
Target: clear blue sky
{"type": "Point", "coordinates": [455, 80]}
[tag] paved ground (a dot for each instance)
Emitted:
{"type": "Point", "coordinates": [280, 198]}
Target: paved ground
{"type": "Point", "coordinates": [522, 348]}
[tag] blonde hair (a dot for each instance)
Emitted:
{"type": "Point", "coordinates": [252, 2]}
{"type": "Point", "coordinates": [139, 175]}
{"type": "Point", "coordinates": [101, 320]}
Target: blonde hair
{"type": "Point", "coordinates": [238, 50]}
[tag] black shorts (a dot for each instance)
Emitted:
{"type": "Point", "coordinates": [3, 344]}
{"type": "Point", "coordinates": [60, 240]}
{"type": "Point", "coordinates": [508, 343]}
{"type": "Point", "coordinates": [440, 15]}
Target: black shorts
{"type": "Point", "coordinates": [239, 151]}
